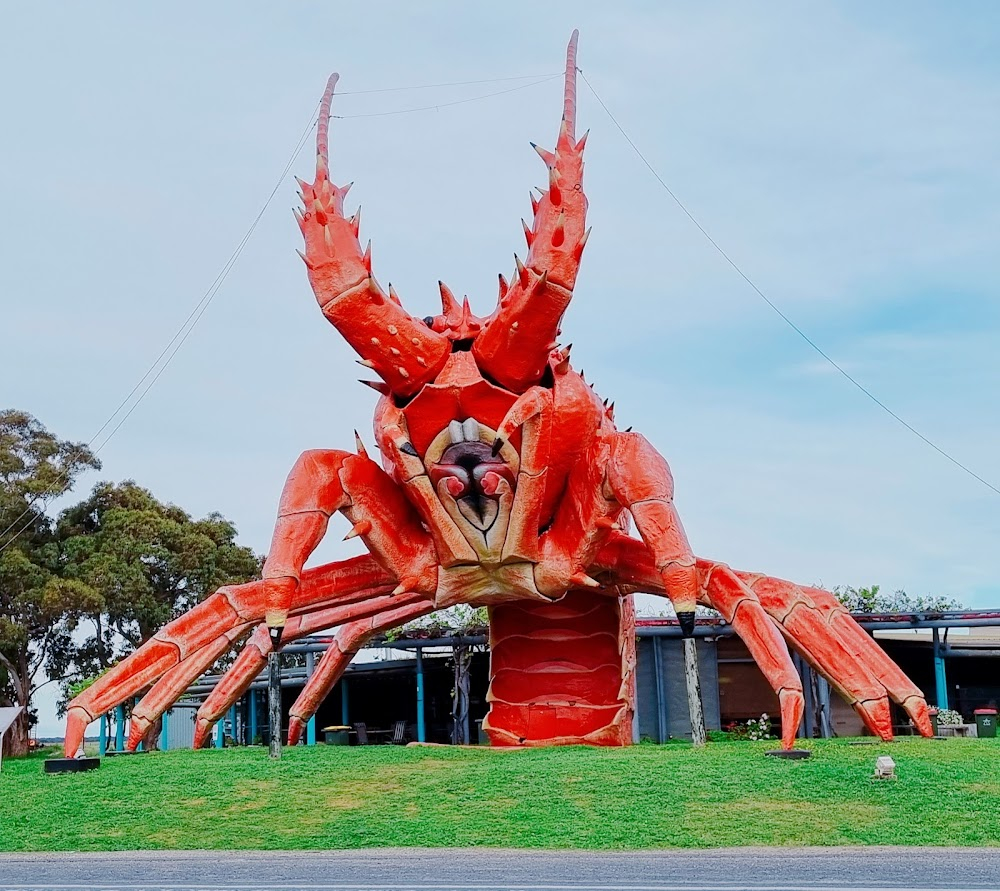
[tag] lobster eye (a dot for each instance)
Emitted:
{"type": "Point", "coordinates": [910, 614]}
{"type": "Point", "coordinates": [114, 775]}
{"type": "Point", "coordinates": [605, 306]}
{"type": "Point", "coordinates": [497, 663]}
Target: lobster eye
{"type": "Point", "coordinates": [429, 321]}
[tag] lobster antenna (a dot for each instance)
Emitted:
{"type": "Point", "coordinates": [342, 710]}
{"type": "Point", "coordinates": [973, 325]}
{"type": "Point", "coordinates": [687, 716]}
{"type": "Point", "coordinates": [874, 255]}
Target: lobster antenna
{"type": "Point", "coordinates": [323, 126]}
{"type": "Point", "coordinates": [569, 96]}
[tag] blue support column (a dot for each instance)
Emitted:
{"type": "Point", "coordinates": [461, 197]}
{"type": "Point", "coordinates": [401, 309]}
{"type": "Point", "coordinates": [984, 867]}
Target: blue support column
{"type": "Point", "coordinates": [421, 729]}
{"type": "Point", "coordinates": [164, 735]}
{"type": "Point", "coordinates": [940, 675]}
{"type": "Point", "coordinates": [311, 724]}
{"type": "Point", "coordinates": [252, 708]}
{"type": "Point", "coordinates": [120, 728]}
{"type": "Point", "coordinates": [345, 710]}
{"type": "Point", "coordinates": [135, 702]}
{"type": "Point", "coordinates": [220, 733]}
{"type": "Point", "coordinates": [103, 745]}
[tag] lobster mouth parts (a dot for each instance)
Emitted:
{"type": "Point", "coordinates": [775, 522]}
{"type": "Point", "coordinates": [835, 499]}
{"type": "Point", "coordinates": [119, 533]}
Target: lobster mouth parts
{"type": "Point", "coordinates": [472, 477]}
{"type": "Point", "coordinates": [478, 484]}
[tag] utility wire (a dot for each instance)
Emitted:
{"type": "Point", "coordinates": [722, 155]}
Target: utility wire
{"type": "Point", "coordinates": [383, 114]}
{"type": "Point", "coordinates": [169, 351]}
{"type": "Point", "coordinates": [156, 369]}
{"type": "Point", "coordinates": [454, 83]}
{"type": "Point", "coordinates": [771, 304]}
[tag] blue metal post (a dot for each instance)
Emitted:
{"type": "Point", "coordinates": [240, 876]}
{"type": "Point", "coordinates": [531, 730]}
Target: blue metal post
{"type": "Point", "coordinates": [421, 730]}
{"type": "Point", "coordinates": [252, 695]}
{"type": "Point", "coordinates": [345, 711]}
{"type": "Point", "coordinates": [220, 733]}
{"type": "Point", "coordinates": [940, 676]}
{"type": "Point", "coordinates": [135, 702]}
{"type": "Point", "coordinates": [311, 724]}
{"type": "Point", "coordinates": [103, 745]}
{"type": "Point", "coordinates": [120, 728]}
{"type": "Point", "coordinates": [164, 735]}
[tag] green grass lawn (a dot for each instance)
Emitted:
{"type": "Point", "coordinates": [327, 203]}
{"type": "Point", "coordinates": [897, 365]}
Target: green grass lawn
{"type": "Point", "coordinates": [729, 793]}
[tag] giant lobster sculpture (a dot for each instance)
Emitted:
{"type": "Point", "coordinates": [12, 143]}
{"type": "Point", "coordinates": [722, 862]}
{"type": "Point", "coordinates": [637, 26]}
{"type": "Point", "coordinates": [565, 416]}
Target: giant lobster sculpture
{"type": "Point", "coordinates": [503, 482]}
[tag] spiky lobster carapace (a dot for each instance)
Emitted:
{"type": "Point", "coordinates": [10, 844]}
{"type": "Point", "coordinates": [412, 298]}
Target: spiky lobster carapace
{"type": "Point", "coordinates": [504, 482]}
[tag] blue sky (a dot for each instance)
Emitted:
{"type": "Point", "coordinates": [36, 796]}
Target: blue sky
{"type": "Point", "coordinates": [844, 155]}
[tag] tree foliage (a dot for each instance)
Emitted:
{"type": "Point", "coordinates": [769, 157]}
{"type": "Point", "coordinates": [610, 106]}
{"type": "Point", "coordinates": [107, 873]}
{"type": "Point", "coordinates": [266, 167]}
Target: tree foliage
{"type": "Point", "coordinates": [151, 562]}
{"type": "Point", "coordinates": [39, 609]}
{"type": "Point", "coordinates": [873, 600]}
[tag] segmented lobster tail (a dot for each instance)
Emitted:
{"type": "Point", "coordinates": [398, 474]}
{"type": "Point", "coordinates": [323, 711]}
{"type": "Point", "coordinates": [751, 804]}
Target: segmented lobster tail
{"type": "Point", "coordinates": [516, 341]}
{"type": "Point", "coordinates": [562, 673]}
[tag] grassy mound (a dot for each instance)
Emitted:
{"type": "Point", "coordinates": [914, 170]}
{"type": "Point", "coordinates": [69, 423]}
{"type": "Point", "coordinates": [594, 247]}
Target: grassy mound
{"type": "Point", "coordinates": [729, 793]}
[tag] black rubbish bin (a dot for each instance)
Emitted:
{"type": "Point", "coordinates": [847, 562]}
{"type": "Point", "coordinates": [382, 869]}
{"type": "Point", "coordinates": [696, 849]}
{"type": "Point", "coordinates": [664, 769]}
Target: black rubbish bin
{"type": "Point", "coordinates": [338, 735]}
{"type": "Point", "coordinates": [986, 722]}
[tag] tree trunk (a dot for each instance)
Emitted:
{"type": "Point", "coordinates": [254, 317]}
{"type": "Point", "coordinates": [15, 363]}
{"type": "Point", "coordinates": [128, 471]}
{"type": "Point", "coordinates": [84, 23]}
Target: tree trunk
{"type": "Point", "coordinates": [460, 697]}
{"type": "Point", "coordinates": [693, 681]}
{"type": "Point", "coordinates": [15, 741]}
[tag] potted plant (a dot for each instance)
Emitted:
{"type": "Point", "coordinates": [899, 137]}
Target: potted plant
{"type": "Point", "coordinates": [947, 717]}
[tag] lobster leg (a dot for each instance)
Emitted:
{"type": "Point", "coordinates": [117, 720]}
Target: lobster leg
{"type": "Point", "coordinates": [168, 689]}
{"type": "Point", "coordinates": [821, 632]}
{"type": "Point", "coordinates": [251, 661]}
{"type": "Point", "coordinates": [348, 640]}
{"type": "Point", "coordinates": [640, 479]}
{"type": "Point", "coordinates": [323, 482]}
{"type": "Point", "coordinates": [901, 689]}
{"type": "Point", "coordinates": [825, 634]}
{"type": "Point", "coordinates": [228, 608]}
{"type": "Point", "coordinates": [740, 607]}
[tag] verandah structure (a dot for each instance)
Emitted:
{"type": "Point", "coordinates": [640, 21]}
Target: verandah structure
{"type": "Point", "coordinates": [411, 678]}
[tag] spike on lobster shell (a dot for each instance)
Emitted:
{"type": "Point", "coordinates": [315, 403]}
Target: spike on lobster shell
{"type": "Point", "coordinates": [529, 236]}
{"type": "Point", "coordinates": [378, 386]}
{"type": "Point", "coordinates": [522, 272]}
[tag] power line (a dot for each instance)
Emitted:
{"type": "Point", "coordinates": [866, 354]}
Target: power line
{"type": "Point", "coordinates": [454, 83]}
{"type": "Point", "coordinates": [771, 304]}
{"type": "Point", "coordinates": [170, 350]}
{"type": "Point", "coordinates": [383, 114]}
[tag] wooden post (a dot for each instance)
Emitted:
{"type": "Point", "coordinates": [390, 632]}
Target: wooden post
{"type": "Point", "coordinates": [693, 681]}
{"type": "Point", "coordinates": [274, 702]}
{"type": "Point", "coordinates": [661, 700]}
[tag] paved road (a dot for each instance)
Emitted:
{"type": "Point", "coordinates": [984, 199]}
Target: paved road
{"type": "Point", "coordinates": [743, 869]}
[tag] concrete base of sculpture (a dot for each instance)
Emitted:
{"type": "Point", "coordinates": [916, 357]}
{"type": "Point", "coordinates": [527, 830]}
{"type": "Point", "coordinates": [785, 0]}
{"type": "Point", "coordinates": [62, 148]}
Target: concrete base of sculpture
{"type": "Point", "coordinates": [71, 765]}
